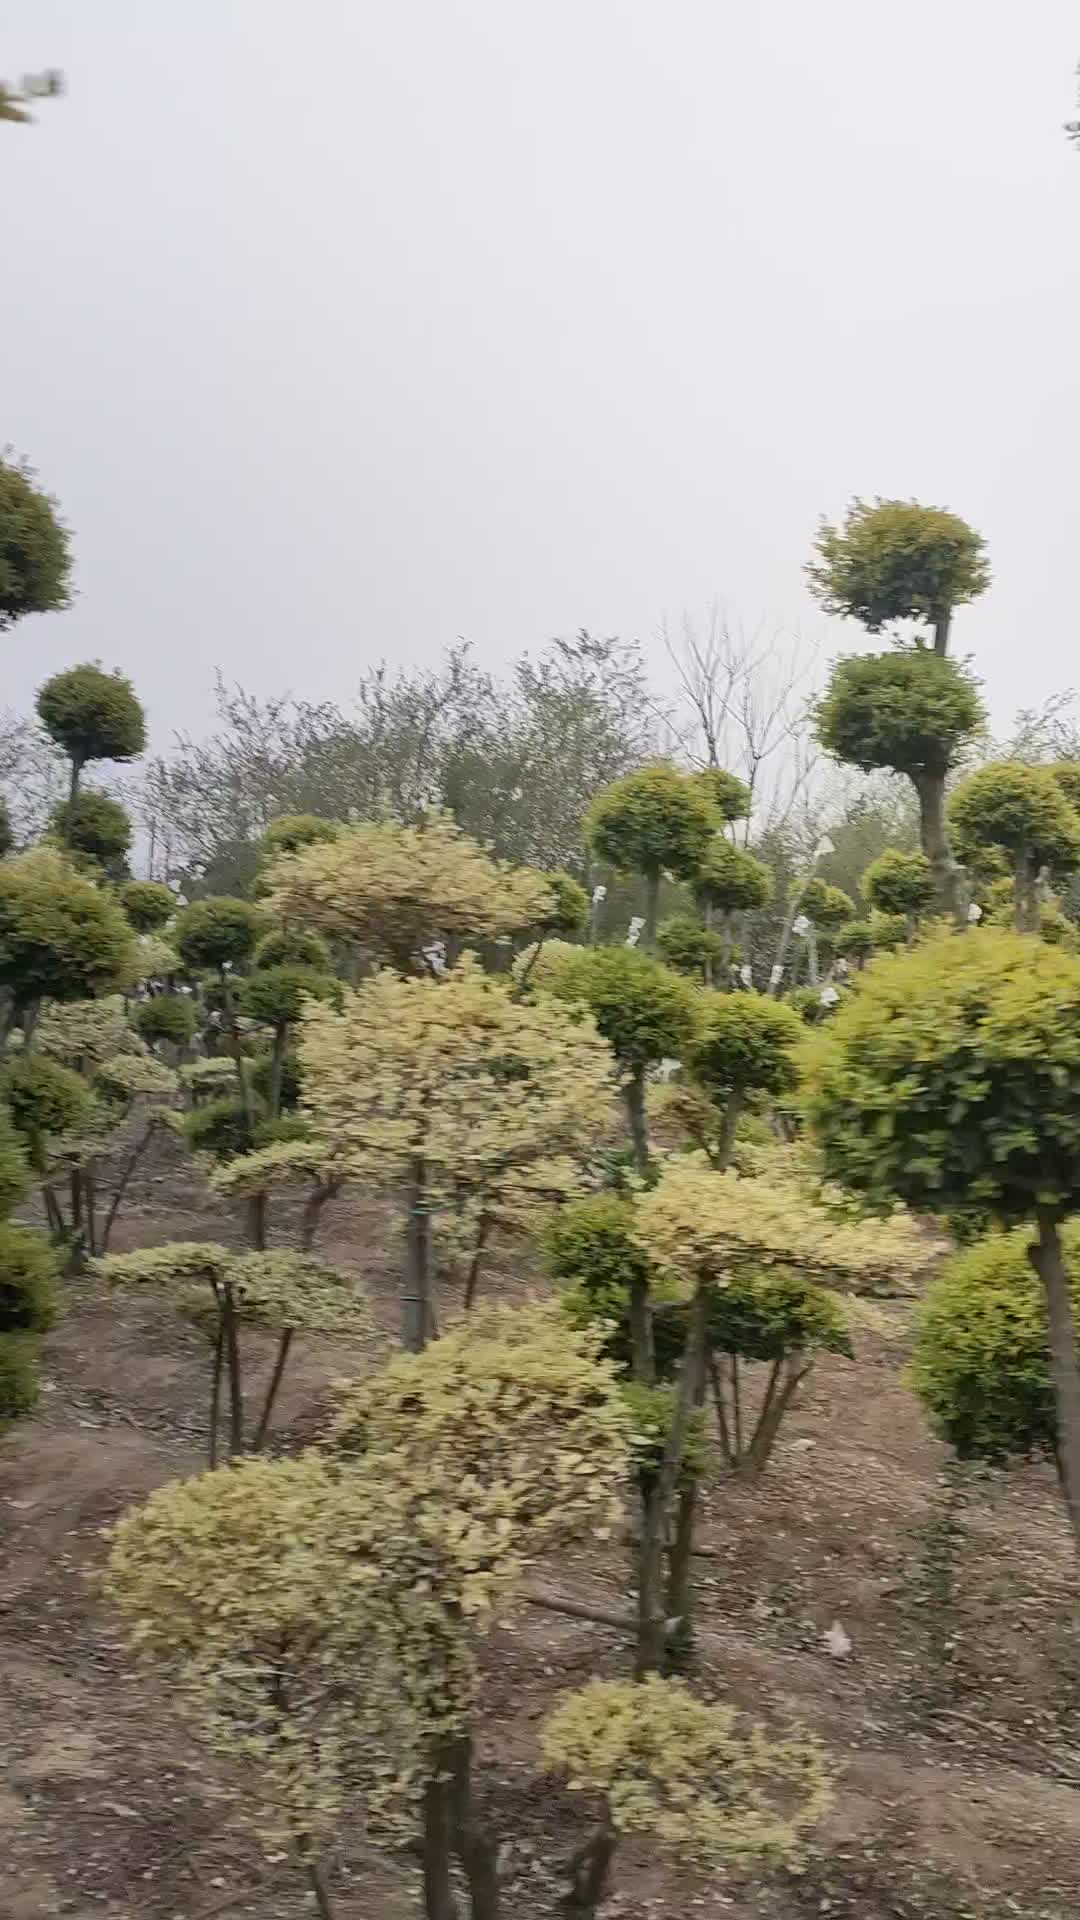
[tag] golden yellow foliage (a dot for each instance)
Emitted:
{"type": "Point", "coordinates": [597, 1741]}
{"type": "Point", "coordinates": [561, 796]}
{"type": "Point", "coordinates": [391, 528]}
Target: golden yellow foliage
{"type": "Point", "coordinates": [686, 1772]}
{"type": "Point", "coordinates": [485, 1090]}
{"type": "Point", "coordinates": [393, 890]}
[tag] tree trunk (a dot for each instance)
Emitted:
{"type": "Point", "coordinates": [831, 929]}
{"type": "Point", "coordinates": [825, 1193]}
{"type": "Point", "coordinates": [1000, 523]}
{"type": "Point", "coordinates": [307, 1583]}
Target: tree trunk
{"type": "Point", "coordinates": [473, 1280]}
{"type": "Point", "coordinates": [416, 1297]}
{"type": "Point", "coordinates": [1025, 895]}
{"type": "Point", "coordinates": [942, 623]}
{"type": "Point", "coordinates": [316, 1882]}
{"type": "Point", "coordinates": [277, 1067]}
{"type": "Point", "coordinates": [930, 788]}
{"type": "Point", "coordinates": [728, 1127]}
{"type": "Point", "coordinates": [76, 776]}
{"type": "Point", "coordinates": [634, 1095]}
{"type": "Point", "coordinates": [650, 1647]}
{"type": "Point", "coordinates": [590, 1870]}
{"type": "Point", "coordinates": [707, 916]}
{"type": "Point", "coordinates": [652, 910]}
{"type": "Point", "coordinates": [439, 1902]}
{"type": "Point", "coordinates": [795, 1368]}
{"type": "Point", "coordinates": [280, 1359]}
{"type": "Point", "coordinates": [642, 1348]}
{"type": "Point", "coordinates": [473, 1844]}
{"type": "Point", "coordinates": [1047, 1259]}
{"type": "Point", "coordinates": [215, 1387]}
{"type": "Point", "coordinates": [232, 1362]}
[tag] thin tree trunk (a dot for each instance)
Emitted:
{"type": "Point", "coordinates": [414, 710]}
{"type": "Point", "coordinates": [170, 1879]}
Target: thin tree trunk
{"type": "Point", "coordinates": [772, 1414]}
{"type": "Point", "coordinates": [439, 1902]}
{"type": "Point", "coordinates": [728, 1127]}
{"type": "Point", "coordinates": [680, 1560]}
{"type": "Point", "coordinates": [315, 1879]}
{"type": "Point", "coordinates": [232, 1360]}
{"type": "Point", "coordinates": [1047, 1258]}
{"type": "Point", "coordinates": [942, 623]}
{"type": "Point", "coordinates": [277, 1067]}
{"type": "Point", "coordinates": [1025, 895]}
{"type": "Point", "coordinates": [642, 1345]}
{"type": "Point", "coordinates": [76, 776]}
{"type": "Point", "coordinates": [472, 1281]}
{"type": "Point", "coordinates": [91, 1213]}
{"type": "Point", "coordinates": [650, 1647]}
{"type": "Point", "coordinates": [652, 910]}
{"type": "Point", "coordinates": [726, 1447]}
{"type": "Point", "coordinates": [634, 1096]}
{"type": "Point", "coordinates": [215, 1386]}
{"type": "Point", "coordinates": [707, 916]}
{"type": "Point", "coordinates": [473, 1844]}
{"type": "Point", "coordinates": [930, 788]}
{"type": "Point", "coordinates": [119, 1191]}
{"type": "Point", "coordinates": [280, 1359]}
{"type": "Point", "coordinates": [590, 1870]}
{"type": "Point", "coordinates": [416, 1297]}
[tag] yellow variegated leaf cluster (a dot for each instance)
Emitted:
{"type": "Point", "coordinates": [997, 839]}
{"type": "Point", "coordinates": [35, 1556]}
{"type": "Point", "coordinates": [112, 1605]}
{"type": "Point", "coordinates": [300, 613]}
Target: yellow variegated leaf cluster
{"type": "Point", "coordinates": [485, 1090]}
{"type": "Point", "coordinates": [84, 1033]}
{"type": "Point", "coordinates": [214, 1075]}
{"type": "Point", "coordinates": [279, 1289]}
{"type": "Point", "coordinates": [687, 1772]}
{"type": "Point", "coordinates": [282, 1164]}
{"type": "Point", "coordinates": [697, 1224]}
{"type": "Point", "coordinates": [392, 890]}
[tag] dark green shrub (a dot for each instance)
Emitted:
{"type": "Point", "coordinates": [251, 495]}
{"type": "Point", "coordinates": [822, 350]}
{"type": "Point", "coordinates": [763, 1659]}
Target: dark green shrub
{"type": "Point", "coordinates": [92, 715]}
{"type": "Point", "coordinates": [18, 1375]}
{"type": "Point", "coordinates": [43, 1098]}
{"type": "Point", "coordinates": [165, 1016]}
{"type": "Point", "coordinates": [220, 1128]}
{"type": "Point", "coordinates": [293, 947]}
{"type": "Point", "coordinates": [683, 943]}
{"type": "Point", "coordinates": [95, 826]}
{"type": "Point", "coordinates": [148, 905]}
{"type": "Point", "coordinates": [27, 1277]}
{"type": "Point", "coordinates": [61, 936]}
{"type": "Point", "coordinates": [34, 560]}
{"type": "Point", "coordinates": [217, 933]}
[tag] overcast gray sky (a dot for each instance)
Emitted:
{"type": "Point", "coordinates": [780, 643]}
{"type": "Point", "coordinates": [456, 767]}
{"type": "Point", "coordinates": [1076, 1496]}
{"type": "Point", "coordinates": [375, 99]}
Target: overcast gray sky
{"type": "Point", "coordinates": [343, 328]}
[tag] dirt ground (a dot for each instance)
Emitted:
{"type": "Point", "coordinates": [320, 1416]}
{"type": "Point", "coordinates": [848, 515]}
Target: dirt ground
{"type": "Point", "coordinates": [954, 1729]}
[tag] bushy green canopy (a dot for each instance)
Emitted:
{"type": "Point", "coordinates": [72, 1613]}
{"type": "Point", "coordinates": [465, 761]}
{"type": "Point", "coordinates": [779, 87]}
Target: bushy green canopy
{"type": "Point", "coordinates": [1018, 810]}
{"type": "Point", "coordinates": [951, 1079]}
{"type": "Point", "coordinates": [828, 907]}
{"type": "Point", "coordinates": [896, 560]}
{"type": "Point", "coordinates": [165, 1016]}
{"type": "Point", "coordinates": [652, 821]}
{"type": "Point", "coordinates": [13, 1174]}
{"type": "Point", "coordinates": [292, 947]}
{"type": "Point", "coordinates": [729, 879]}
{"type": "Point", "coordinates": [92, 714]}
{"type": "Point", "coordinates": [34, 560]}
{"type": "Point", "coordinates": [899, 883]}
{"type": "Point", "coordinates": [907, 710]}
{"type": "Point", "coordinates": [683, 943]}
{"type": "Point", "coordinates": [148, 904]}
{"type": "Point", "coordinates": [43, 1097]}
{"type": "Point", "coordinates": [291, 831]}
{"type": "Point", "coordinates": [981, 1364]}
{"type": "Point", "coordinates": [746, 1044]}
{"type": "Point", "coordinates": [725, 791]}
{"type": "Point", "coordinates": [274, 996]}
{"type": "Point", "coordinates": [219, 932]}
{"type": "Point", "coordinates": [569, 910]}
{"type": "Point", "coordinates": [96, 826]}
{"type": "Point", "coordinates": [61, 937]}
{"type": "Point", "coordinates": [644, 1011]}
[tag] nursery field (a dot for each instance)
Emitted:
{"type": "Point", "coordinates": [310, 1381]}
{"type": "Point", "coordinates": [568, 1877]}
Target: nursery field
{"type": "Point", "coordinates": [952, 1722]}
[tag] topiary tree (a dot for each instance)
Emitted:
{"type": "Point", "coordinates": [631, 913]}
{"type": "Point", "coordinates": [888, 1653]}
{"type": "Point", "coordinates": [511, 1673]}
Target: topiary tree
{"type": "Point", "coordinates": [909, 711]}
{"type": "Point", "coordinates": [291, 831]}
{"type": "Point", "coordinates": [650, 822]}
{"type": "Point", "coordinates": [281, 1291]}
{"type": "Point", "coordinates": [1020, 811]}
{"type": "Point", "coordinates": [683, 1772]}
{"type": "Point", "coordinates": [97, 828]}
{"type": "Point", "coordinates": [219, 935]}
{"type": "Point", "coordinates": [855, 942]}
{"type": "Point", "coordinates": [450, 1093]}
{"type": "Point", "coordinates": [394, 892]}
{"type": "Point", "coordinates": [981, 1364]}
{"type": "Point", "coordinates": [590, 1245]}
{"type": "Point", "coordinates": [292, 947]}
{"type": "Point", "coordinates": [896, 560]}
{"type": "Point", "coordinates": [165, 1016]}
{"type": "Point", "coordinates": [148, 904]}
{"type": "Point", "coordinates": [35, 563]}
{"type": "Point", "coordinates": [828, 907]}
{"type": "Point", "coordinates": [724, 791]}
{"type": "Point", "coordinates": [92, 715]}
{"type": "Point", "coordinates": [688, 947]}
{"type": "Point", "coordinates": [900, 883]}
{"type": "Point", "coordinates": [274, 997]}
{"type": "Point", "coordinates": [61, 937]}
{"type": "Point", "coordinates": [745, 1046]}
{"type": "Point", "coordinates": [729, 881]}
{"type": "Point", "coordinates": [949, 1081]}
{"type": "Point", "coordinates": [645, 1012]}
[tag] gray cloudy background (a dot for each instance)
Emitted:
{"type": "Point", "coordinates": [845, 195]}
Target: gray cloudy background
{"type": "Point", "coordinates": [341, 329]}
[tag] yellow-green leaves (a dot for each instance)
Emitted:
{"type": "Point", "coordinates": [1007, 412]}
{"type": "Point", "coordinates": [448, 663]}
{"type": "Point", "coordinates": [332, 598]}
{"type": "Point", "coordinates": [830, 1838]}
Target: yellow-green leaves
{"type": "Point", "coordinates": [687, 1772]}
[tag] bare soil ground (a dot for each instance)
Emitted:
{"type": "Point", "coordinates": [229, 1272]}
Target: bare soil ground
{"type": "Point", "coordinates": [955, 1732]}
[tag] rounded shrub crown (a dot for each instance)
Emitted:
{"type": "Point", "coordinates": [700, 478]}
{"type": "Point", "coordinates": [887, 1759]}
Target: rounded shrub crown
{"type": "Point", "coordinates": [61, 937]}
{"type": "Point", "coordinates": [730, 880]}
{"type": "Point", "coordinates": [951, 1079]}
{"type": "Point", "coordinates": [165, 1016]}
{"type": "Point", "coordinates": [92, 714]}
{"type": "Point", "coordinates": [27, 1272]}
{"type": "Point", "coordinates": [895, 560]}
{"type": "Point", "coordinates": [43, 1097]}
{"type": "Point", "coordinates": [644, 1011]}
{"type": "Point", "coordinates": [746, 1045]}
{"type": "Point", "coordinates": [569, 909]}
{"type": "Point", "coordinates": [725, 791]}
{"type": "Point", "coordinates": [683, 943]}
{"type": "Point", "coordinates": [219, 932]}
{"type": "Point", "coordinates": [291, 831]}
{"type": "Point", "coordinates": [652, 820]}
{"type": "Point", "coordinates": [907, 710]}
{"type": "Point", "coordinates": [828, 907]}
{"type": "Point", "coordinates": [274, 996]}
{"type": "Point", "coordinates": [899, 882]}
{"type": "Point", "coordinates": [148, 904]}
{"type": "Point", "coordinates": [292, 947]}
{"type": "Point", "coordinates": [94, 825]}
{"type": "Point", "coordinates": [34, 559]}
{"type": "Point", "coordinates": [981, 1364]}
{"type": "Point", "coordinates": [1018, 810]}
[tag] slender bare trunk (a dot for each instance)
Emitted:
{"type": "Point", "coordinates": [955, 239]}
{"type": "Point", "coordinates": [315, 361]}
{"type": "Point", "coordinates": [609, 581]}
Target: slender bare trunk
{"type": "Point", "coordinates": [795, 1369]}
{"type": "Point", "coordinates": [215, 1387]}
{"type": "Point", "coordinates": [642, 1345]}
{"type": "Point", "coordinates": [1047, 1258]}
{"type": "Point", "coordinates": [280, 1360]}
{"type": "Point", "coordinates": [930, 788]}
{"type": "Point", "coordinates": [473, 1844]}
{"type": "Point", "coordinates": [439, 1902]}
{"type": "Point", "coordinates": [650, 1647]}
{"type": "Point", "coordinates": [315, 1879]}
{"type": "Point", "coordinates": [1025, 894]}
{"type": "Point", "coordinates": [76, 776]}
{"type": "Point", "coordinates": [232, 1362]}
{"type": "Point", "coordinates": [728, 1127]}
{"type": "Point", "coordinates": [277, 1067]}
{"type": "Point", "coordinates": [416, 1296]}
{"type": "Point", "coordinates": [121, 1188]}
{"type": "Point", "coordinates": [590, 1870]}
{"type": "Point", "coordinates": [680, 1592]}
{"type": "Point", "coordinates": [473, 1279]}
{"type": "Point", "coordinates": [942, 623]}
{"type": "Point", "coordinates": [634, 1096]}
